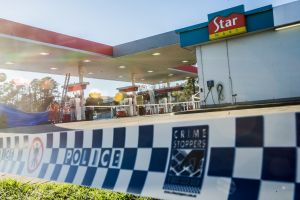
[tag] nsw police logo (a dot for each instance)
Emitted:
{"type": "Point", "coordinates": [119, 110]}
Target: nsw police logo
{"type": "Point", "coordinates": [35, 154]}
{"type": "Point", "coordinates": [187, 160]}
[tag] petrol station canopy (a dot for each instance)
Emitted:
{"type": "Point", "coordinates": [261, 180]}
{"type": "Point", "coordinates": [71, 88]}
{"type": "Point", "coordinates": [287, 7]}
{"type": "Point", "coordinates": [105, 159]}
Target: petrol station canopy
{"type": "Point", "coordinates": [151, 60]}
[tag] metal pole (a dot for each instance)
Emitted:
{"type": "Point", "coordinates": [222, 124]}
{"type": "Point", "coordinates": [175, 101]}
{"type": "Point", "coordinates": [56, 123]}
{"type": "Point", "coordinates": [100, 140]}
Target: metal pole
{"type": "Point", "coordinates": [201, 81]}
{"type": "Point", "coordinates": [229, 74]}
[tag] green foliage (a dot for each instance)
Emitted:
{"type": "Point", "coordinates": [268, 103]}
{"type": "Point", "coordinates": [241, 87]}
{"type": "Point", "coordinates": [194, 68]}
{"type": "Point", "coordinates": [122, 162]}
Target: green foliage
{"type": "Point", "coordinates": [188, 90]}
{"type": "Point", "coordinates": [94, 101]}
{"type": "Point", "coordinates": [30, 98]}
{"type": "Point", "coordinates": [14, 190]}
{"type": "Point", "coordinates": [9, 93]}
{"type": "Point", "coordinates": [42, 91]}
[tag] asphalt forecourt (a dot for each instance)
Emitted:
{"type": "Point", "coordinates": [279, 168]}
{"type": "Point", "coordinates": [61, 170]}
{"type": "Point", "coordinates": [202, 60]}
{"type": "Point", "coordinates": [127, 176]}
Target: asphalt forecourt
{"type": "Point", "coordinates": [243, 154]}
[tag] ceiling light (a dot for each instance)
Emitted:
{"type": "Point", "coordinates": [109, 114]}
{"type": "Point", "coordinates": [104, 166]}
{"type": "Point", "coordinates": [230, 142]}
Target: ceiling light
{"type": "Point", "coordinates": [9, 63]}
{"type": "Point", "coordinates": [122, 67]}
{"type": "Point", "coordinates": [185, 61]}
{"type": "Point", "coordinates": [170, 74]}
{"type": "Point", "coordinates": [86, 61]}
{"type": "Point", "coordinates": [156, 54]}
{"type": "Point", "coordinates": [53, 68]}
{"type": "Point", "coordinates": [187, 77]}
{"type": "Point", "coordinates": [90, 73]}
{"type": "Point", "coordinates": [44, 53]}
{"type": "Point", "coordinates": [120, 76]}
{"type": "Point", "coordinates": [288, 26]}
{"type": "Point", "coordinates": [142, 79]}
{"type": "Point", "coordinates": [150, 71]}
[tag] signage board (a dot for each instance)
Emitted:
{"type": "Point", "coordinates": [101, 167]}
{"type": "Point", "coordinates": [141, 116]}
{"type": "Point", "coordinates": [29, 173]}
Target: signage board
{"type": "Point", "coordinates": [187, 161]}
{"type": "Point", "coordinates": [76, 87]}
{"type": "Point", "coordinates": [221, 27]}
{"type": "Point", "coordinates": [128, 89]}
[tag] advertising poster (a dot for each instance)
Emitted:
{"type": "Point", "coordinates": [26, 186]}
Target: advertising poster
{"type": "Point", "coordinates": [187, 161]}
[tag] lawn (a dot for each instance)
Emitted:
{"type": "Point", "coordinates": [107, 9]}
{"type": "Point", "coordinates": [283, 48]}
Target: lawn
{"type": "Point", "coordinates": [16, 190]}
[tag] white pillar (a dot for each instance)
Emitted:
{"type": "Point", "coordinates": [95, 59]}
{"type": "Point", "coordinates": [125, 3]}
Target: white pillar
{"type": "Point", "coordinates": [80, 75]}
{"type": "Point", "coordinates": [200, 67]}
{"type": "Point", "coordinates": [134, 103]}
{"type": "Point", "coordinates": [169, 108]}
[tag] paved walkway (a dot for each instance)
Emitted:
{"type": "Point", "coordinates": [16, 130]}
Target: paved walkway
{"type": "Point", "coordinates": [36, 129]}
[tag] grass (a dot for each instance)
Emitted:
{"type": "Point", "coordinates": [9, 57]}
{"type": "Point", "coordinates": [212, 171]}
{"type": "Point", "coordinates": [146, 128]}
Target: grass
{"type": "Point", "coordinates": [11, 189]}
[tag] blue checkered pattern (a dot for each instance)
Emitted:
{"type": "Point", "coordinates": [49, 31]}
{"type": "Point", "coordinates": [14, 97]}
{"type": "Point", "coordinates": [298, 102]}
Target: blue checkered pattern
{"type": "Point", "coordinates": [128, 157]}
{"type": "Point", "coordinates": [12, 151]}
{"type": "Point", "coordinates": [261, 163]}
{"type": "Point", "coordinates": [253, 157]}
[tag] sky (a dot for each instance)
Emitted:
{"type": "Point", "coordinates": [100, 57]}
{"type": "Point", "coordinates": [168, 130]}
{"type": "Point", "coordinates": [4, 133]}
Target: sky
{"type": "Point", "coordinates": [114, 22]}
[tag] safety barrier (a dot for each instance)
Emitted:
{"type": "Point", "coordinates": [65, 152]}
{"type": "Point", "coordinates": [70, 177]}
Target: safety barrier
{"type": "Point", "coordinates": [149, 109]}
{"type": "Point", "coordinates": [253, 157]}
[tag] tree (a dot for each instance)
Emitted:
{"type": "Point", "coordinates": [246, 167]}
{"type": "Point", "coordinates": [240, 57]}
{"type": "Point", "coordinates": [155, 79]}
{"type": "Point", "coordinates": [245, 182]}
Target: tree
{"type": "Point", "coordinates": [9, 93]}
{"type": "Point", "coordinates": [189, 88]}
{"type": "Point", "coordinates": [94, 101]}
{"type": "Point", "coordinates": [34, 97]}
{"type": "Point", "coordinates": [42, 92]}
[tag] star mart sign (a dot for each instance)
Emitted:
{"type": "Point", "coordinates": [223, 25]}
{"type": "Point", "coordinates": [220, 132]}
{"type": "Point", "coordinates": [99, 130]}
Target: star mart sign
{"type": "Point", "coordinates": [221, 27]}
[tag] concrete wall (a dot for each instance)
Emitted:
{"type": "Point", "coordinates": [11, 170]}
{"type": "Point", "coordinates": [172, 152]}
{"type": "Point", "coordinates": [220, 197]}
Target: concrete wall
{"type": "Point", "coordinates": [262, 66]}
{"type": "Point", "coordinates": [249, 157]}
{"type": "Point", "coordinates": [214, 65]}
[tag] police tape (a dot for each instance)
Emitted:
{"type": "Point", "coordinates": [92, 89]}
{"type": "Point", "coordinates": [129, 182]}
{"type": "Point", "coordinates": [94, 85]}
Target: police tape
{"type": "Point", "coordinates": [247, 157]}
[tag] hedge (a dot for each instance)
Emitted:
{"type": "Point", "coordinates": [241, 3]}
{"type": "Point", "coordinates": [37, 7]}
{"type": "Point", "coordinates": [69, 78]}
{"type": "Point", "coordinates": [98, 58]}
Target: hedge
{"type": "Point", "coordinates": [16, 190]}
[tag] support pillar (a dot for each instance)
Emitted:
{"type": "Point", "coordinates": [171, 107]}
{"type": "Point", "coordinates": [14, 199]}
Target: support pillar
{"type": "Point", "coordinates": [169, 108]}
{"type": "Point", "coordinates": [134, 102]}
{"type": "Point", "coordinates": [82, 102]}
{"type": "Point", "coordinates": [201, 82]}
